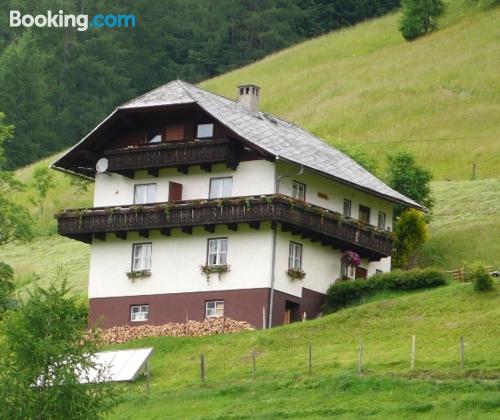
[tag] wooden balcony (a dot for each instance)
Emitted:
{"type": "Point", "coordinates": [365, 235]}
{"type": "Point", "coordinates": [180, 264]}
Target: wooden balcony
{"type": "Point", "coordinates": [180, 155]}
{"type": "Point", "coordinates": [315, 223]}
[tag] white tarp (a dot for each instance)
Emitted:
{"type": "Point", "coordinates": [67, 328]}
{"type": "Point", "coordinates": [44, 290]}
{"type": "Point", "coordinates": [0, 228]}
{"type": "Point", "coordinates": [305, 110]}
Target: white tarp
{"type": "Point", "coordinates": [119, 365]}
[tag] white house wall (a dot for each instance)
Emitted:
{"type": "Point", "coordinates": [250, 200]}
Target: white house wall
{"type": "Point", "coordinates": [251, 178]}
{"type": "Point", "coordinates": [176, 260]}
{"type": "Point", "coordinates": [336, 193]}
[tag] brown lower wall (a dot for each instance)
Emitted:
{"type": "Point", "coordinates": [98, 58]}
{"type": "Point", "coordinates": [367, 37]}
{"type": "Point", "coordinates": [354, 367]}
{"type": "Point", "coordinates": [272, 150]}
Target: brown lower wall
{"type": "Point", "coordinates": [242, 305]}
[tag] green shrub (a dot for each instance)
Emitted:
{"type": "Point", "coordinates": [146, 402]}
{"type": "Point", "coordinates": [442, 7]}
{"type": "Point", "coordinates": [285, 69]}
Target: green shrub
{"type": "Point", "coordinates": [477, 273]}
{"type": "Point", "coordinates": [343, 293]}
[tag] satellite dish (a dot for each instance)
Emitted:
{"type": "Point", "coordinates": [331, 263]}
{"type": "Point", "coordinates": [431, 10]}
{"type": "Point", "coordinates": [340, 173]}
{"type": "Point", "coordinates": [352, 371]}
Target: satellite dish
{"type": "Point", "coordinates": [102, 165]}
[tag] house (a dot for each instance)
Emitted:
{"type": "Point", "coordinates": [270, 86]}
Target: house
{"type": "Point", "coordinates": [206, 207]}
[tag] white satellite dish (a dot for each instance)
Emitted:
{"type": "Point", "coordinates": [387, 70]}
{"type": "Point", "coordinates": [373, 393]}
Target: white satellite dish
{"type": "Point", "coordinates": [102, 165]}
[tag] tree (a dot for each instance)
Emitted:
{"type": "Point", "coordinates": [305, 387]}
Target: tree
{"type": "Point", "coordinates": [45, 349]}
{"type": "Point", "coordinates": [405, 176]}
{"type": "Point", "coordinates": [411, 233]}
{"type": "Point", "coordinates": [420, 17]}
{"type": "Point", "coordinates": [42, 180]}
{"type": "Point", "coordinates": [15, 220]}
{"type": "Point", "coordinates": [6, 288]}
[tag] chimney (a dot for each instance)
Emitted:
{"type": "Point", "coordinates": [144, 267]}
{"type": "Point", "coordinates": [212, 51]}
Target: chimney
{"type": "Point", "coordinates": [248, 97]}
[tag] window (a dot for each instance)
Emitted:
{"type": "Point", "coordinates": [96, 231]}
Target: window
{"type": "Point", "coordinates": [214, 308]}
{"type": "Point", "coordinates": [381, 220]}
{"type": "Point", "coordinates": [220, 187]}
{"type": "Point", "coordinates": [139, 313]}
{"type": "Point", "coordinates": [299, 190]}
{"type": "Point", "coordinates": [347, 208]}
{"type": "Point", "coordinates": [153, 136]}
{"type": "Point", "coordinates": [364, 214]}
{"type": "Point", "coordinates": [217, 251]}
{"type": "Point", "coordinates": [204, 131]}
{"type": "Point", "coordinates": [141, 257]}
{"type": "Point", "coordinates": [295, 256]}
{"type": "Point", "coordinates": [144, 193]}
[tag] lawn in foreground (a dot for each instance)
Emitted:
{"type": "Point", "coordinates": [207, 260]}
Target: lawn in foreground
{"type": "Point", "coordinates": [283, 388]}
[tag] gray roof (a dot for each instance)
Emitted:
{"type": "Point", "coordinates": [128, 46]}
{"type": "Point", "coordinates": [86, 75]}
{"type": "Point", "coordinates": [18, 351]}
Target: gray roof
{"type": "Point", "coordinates": [274, 135]}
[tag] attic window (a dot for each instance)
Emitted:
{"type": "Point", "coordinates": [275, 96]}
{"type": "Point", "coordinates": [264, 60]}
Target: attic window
{"type": "Point", "coordinates": [153, 136]}
{"type": "Point", "coordinates": [205, 131]}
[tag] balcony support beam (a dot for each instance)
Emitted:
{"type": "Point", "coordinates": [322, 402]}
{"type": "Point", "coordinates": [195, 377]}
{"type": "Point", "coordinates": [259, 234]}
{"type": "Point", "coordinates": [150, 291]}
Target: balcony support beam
{"type": "Point", "coordinates": [144, 233]}
{"type": "Point", "coordinates": [100, 235]}
{"type": "Point", "coordinates": [210, 228]}
{"type": "Point", "coordinates": [207, 167]}
{"type": "Point", "coordinates": [232, 226]}
{"type": "Point", "coordinates": [187, 230]}
{"type": "Point", "coordinates": [165, 231]}
{"type": "Point", "coordinates": [121, 234]}
{"type": "Point", "coordinates": [183, 169]}
{"type": "Point", "coordinates": [154, 172]}
{"type": "Point", "coordinates": [254, 225]}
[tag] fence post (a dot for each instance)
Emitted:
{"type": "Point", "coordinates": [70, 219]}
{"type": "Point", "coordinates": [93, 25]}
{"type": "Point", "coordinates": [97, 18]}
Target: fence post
{"type": "Point", "coordinates": [413, 351]}
{"type": "Point", "coordinates": [360, 357]}
{"type": "Point", "coordinates": [263, 317]}
{"type": "Point", "coordinates": [462, 353]}
{"type": "Point", "coordinates": [310, 358]}
{"type": "Point", "coordinates": [147, 377]}
{"type": "Point", "coordinates": [254, 367]}
{"type": "Point", "coordinates": [202, 368]}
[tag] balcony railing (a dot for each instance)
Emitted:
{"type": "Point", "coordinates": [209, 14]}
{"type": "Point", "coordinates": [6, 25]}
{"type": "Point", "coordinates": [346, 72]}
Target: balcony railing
{"type": "Point", "coordinates": [297, 217]}
{"type": "Point", "coordinates": [180, 155]}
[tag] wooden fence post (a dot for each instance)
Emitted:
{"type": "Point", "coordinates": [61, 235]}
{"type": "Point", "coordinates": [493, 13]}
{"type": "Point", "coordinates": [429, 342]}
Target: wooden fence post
{"type": "Point", "coordinates": [263, 317]}
{"type": "Point", "coordinates": [147, 377]}
{"type": "Point", "coordinates": [462, 353]}
{"type": "Point", "coordinates": [202, 368]}
{"type": "Point", "coordinates": [413, 351]}
{"type": "Point", "coordinates": [360, 357]}
{"type": "Point", "coordinates": [254, 367]}
{"type": "Point", "coordinates": [310, 358]}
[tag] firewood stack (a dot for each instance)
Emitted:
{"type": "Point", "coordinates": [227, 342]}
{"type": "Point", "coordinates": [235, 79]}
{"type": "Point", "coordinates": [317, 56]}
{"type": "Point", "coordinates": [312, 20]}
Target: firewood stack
{"type": "Point", "coordinates": [123, 334]}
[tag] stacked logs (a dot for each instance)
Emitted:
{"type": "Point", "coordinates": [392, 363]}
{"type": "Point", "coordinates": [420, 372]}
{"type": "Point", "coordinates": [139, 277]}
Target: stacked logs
{"type": "Point", "coordinates": [123, 334]}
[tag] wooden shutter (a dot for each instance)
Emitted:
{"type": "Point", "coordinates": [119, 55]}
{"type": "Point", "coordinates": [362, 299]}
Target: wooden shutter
{"type": "Point", "coordinates": [174, 191]}
{"type": "Point", "coordinates": [174, 132]}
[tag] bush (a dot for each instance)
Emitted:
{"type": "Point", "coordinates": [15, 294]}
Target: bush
{"type": "Point", "coordinates": [479, 276]}
{"type": "Point", "coordinates": [343, 293]}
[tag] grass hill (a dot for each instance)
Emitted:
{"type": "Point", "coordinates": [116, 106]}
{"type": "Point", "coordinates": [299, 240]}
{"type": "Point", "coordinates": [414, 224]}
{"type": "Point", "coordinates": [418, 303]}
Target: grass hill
{"type": "Point", "coordinates": [438, 388]}
{"type": "Point", "coordinates": [438, 96]}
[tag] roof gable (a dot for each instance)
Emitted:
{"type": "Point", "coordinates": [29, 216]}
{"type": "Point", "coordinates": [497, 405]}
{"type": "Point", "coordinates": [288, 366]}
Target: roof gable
{"type": "Point", "coordinates": [275, 136]}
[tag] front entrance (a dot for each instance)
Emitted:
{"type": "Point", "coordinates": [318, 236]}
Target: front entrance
{"type": "Point", "coordinates": [292, 312]}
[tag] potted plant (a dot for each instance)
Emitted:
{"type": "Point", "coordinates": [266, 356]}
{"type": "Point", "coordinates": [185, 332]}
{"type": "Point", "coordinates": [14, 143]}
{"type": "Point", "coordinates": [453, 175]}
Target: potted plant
{"type": "Point", "coordinates": [214, 269]}
{"type": "Point", "coordinates": [350, 259]}
{"type": "Point", "coordinates": [295, 274]}
{"type": "Point", "coordinates": [138, 274]}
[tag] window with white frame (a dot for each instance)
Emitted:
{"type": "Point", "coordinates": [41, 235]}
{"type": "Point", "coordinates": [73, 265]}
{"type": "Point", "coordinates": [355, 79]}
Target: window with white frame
{"type": "Point", "coordinates": [295, 256]}
{"type": "Point", "coordinates": [204, 131]}
{"type": "Point", "coordinates": [214, 308]}
{"type": "Point", "coordinates": [141, 257]}
{"type": "Point", "coordinates": [381, 220]}
{"type": "Point", "coordinates": [299, 190]}
{"type": "Point", "coordinates": [139, 313]}
{"type": "Point", "coordinates": [217, 251]}
{"type": "Point", "coordinates": [347, 208]}
{"type": "Point", "coordinates": [144, 193]}
{"type": "Point", "coordinates": [220, 187]}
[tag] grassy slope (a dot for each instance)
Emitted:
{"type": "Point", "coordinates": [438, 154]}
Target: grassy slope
{"type": "Point", "coordinates": [367, 85]}
{"type": "Point", "coordinates": [466, 224]}
{"type": "Point", "coordinates": [283, 389]}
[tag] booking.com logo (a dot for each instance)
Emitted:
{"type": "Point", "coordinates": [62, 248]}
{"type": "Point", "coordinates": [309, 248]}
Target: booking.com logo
{"type": "Point", "coordinates": [61, 20]}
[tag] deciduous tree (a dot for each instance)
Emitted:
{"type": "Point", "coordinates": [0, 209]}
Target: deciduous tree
{"type": "Point", "coordinates": [420, 17]}
{"type": "Point", "coordinates": [410, 234]}
{"type": "Point", "coordinates": [45, 348]}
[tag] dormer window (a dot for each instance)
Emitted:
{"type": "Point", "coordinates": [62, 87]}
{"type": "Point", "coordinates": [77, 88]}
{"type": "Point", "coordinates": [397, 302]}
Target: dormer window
{"type": "Point", "coordinates": [153, 136]}
{"type": "Point", "coordinates": [205, 131]}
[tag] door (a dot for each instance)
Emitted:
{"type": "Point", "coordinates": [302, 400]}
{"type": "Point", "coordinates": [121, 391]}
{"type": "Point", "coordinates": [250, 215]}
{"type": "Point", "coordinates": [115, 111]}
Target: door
{"type": "Point", "coordinates": [361, 273]}
{"type": "Point", "coordinates": [174, 191]}
{"type": "Point", "coordinates": [292, 312]}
